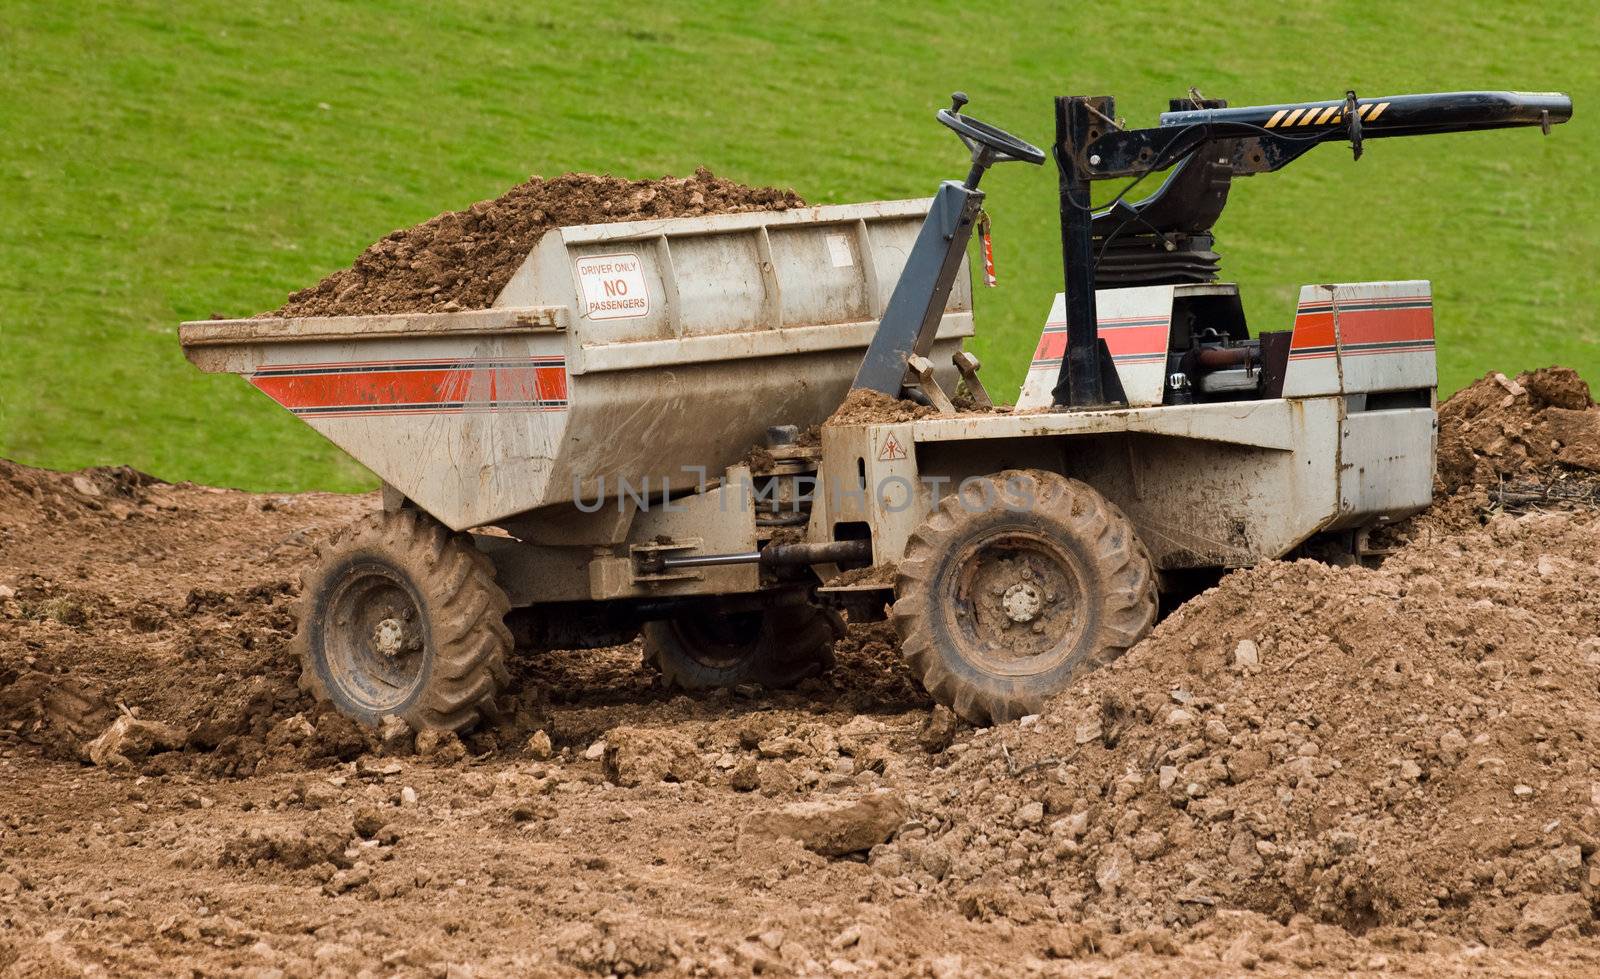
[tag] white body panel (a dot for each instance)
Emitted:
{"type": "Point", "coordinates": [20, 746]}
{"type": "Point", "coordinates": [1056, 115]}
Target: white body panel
{"type": "Point", "coordinates": [1134, 323]}
{"type": "Point", "coordinates": [1364, 336]}
{"type": "Point", "coordinates": [1348, 338]}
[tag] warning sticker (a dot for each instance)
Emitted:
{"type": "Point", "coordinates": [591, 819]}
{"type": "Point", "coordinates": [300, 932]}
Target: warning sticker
{"type": "Point", "coordinates": [613, 287]}
{"type": "Point", "coordinates": [891, 450]}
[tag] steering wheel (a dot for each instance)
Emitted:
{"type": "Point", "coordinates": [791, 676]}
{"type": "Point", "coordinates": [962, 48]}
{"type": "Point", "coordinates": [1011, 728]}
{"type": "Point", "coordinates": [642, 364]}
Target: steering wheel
{"type": "Point", "coordinates": [1000, 143]}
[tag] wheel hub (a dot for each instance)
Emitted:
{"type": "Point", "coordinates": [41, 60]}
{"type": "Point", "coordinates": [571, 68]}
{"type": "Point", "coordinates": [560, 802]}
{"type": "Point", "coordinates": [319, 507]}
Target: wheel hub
{"type": "Point", "coordinates": [389, 638]}
{"type": "Point", "coordinates": [1019, 602]}
{"type": "Point", "coordinates": [1023, 602]}
{"type": "Point", "coordinates": [374, 639]}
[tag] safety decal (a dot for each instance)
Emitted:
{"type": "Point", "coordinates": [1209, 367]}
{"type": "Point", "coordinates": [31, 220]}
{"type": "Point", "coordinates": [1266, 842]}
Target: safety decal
{"type": "Point", "coordinates": [1323, 115]}
{"type": "Point", "coordinates": [891, 451]}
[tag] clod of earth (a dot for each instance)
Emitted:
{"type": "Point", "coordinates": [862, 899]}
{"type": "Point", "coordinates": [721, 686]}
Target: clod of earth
{"type": "Point", "coordinates": [635, 756]}
{"type": "Point", "coordinates": [130, 739]}
{"type": "Point", "coordinates": [831, 827]}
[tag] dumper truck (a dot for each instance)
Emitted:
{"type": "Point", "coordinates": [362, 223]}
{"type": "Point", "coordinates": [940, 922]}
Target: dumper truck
{"type": "Point", "coordinates": [643, 437]}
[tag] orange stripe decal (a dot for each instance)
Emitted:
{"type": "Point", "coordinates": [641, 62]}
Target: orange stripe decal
{"type": "Point", "coordinates": [1363, 326]}
{"type": "Point", "coordinates": [361, 391]}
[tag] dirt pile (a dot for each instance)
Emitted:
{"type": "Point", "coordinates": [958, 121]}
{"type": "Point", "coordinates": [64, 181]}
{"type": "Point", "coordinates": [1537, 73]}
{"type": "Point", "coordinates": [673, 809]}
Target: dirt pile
{"type": "Point", "coordinates": [866, 407]}
{"type": "Point", "coordinates": [174, 600]}
{"type": "Point", "coordinates": [462, 259]}
{"type": "Point", "coordinates": [1500, 428]}
{"type": "Point", "coordinates": [1405, 747]}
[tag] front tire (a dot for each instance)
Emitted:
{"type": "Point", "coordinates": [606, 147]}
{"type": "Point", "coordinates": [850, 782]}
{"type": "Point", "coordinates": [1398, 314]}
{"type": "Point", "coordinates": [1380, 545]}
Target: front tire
{"type": "Point", "coordinates": [775, 647]}
{"type": "Point", "coordinates": [1014, 586]}
{"type": "Point", "coordinates": [403, 618]}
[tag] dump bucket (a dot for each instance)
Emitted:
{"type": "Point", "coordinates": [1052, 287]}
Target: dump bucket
{"type": "Point", "coordinates": [617, 353]}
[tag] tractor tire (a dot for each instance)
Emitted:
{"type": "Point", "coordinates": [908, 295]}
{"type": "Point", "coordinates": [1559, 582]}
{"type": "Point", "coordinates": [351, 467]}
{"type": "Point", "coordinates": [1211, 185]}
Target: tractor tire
{"type": "Point", "coordinates": [1014, 586]}
{"type": "Point", "coordinates": [776, 648]}
{"type": "Point", "coordinates": [402, 618]}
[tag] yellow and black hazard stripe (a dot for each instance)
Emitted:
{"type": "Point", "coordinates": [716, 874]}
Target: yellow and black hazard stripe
{"type": "Point", "coordinates": [1323, 115]}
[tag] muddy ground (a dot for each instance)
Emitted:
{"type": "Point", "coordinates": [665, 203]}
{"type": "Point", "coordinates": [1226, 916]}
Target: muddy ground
{"type": "Point", "coordinates": [1306, 769]}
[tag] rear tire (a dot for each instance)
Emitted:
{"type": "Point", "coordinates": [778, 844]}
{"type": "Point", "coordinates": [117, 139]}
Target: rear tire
{"type": "Point", "coordinates": [403, 618]}
{"type": "Point", "coordinates": [776, 648]}
{"type": "Point", "coordinates": [1016, 585]}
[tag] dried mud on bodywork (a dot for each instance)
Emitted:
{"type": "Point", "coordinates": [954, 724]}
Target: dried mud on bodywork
{"type": "Point", "coordinates": [1305, 768]}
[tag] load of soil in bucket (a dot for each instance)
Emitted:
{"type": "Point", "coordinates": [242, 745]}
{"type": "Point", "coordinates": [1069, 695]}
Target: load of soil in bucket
{"type": "Point", "coordinates": [462, 259]}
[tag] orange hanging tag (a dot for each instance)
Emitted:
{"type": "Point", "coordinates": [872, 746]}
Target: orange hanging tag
{"type": "Point", "coordinates": [988, 249]}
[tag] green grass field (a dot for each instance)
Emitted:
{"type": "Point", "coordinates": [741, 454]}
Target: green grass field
{"type": "Point", "coordinates": [160, 161]}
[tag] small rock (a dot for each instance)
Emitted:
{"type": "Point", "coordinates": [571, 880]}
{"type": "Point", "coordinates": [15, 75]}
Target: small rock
{"type": "Point", "coordinates": [395, 737]}
{"type": "Point", "coordinates": [746, 776]}
{"type": "Point", "coordinates": [129, 738]}
{"type": "Point", "coordinates": [1179, 717]}
{"type": "Point", "coordinates": [775, 779]}
{"type": "Point", "coordinates": [315, 794]}
{"type": "Point", "coordinates": [347, 880]}
{"type": "Point", "coordinates": [7, 593]}
{"type": "Point", "coordinates": [1545, 914]}
{"type": "Point", "coordinates": [1512, 387]}
{"type": "Point", "coordinates": [539, 746]}
{"type": "Point", "coordinates": [1568, 858]}
{"type": "Point", "coordinates": [84, 486]}
{"type": "Point", "coordinates": [372, 768]}
{"type": "Point", "coordinates": [1246, 655]}
{"type": "Point", "coordinates": [1522, 791]}
{"type": "Point", "coordinates": [441, 746]}
{"type": "Point", "coordinates": [408, 797]}
{"type": "Point", "coordinates": [1109, 872]}
{"type": "Point", "coordinates": [1149, 845]}
{"type": "Point", "coordinates": [862, 726]}
{"type": "Point", "coordinates": [638, 756]}
{"type": "Point", "coordinates": [938, 731]}
{"type": "Point", "coordinates": [1245, 763]}
{"type": "Point", "coordinates": [595, 751]}
{"type": "Point", "coordinates": [1410, 770]}
{"type": "Point", "coordinates": [1167, 776]}
{"type": "Point", "coordinates": [368, 822]}
{"type": "Point", "coordinates": [1243, 855]}
{"type": "Point", "coordinates": [832, 827]}
{"type": "Point", "coordinates": [1031, 814]}
{"type": "Point", "coordinates": [1087, 731]}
